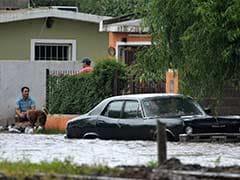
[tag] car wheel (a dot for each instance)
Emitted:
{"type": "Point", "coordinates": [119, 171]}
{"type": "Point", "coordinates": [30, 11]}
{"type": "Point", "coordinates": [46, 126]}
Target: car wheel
{"type": "Point", "coordinates": [90, 136]}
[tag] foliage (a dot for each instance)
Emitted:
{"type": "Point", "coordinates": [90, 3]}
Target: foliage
{"type": "Point", "coordinates": [37, 3]}
{"type": "Point", "coordinates": [167, 20]}
{"type": "Point", "coordinates": [100, 7]}
{"type": "Point", "coordinates": [104, 73]}
{"type": "Point", "coordinates": [148, 66]}
{"type": "Point", "coordinates": [200, 38]}
{"type": "Point", "coordinates": [217, 161]}
{"type": "Point", "coordinates": [68, 93]}
{"type": "Point", "coordinates": [212, 47]}
{"type": "Point", "coordinates": [79, 93]}
{"type": "Point", "coordinates": [21, 169]}
{"type": "Point", "coordinates": [119, 7]}
{"type": "Point", "coordinates": [152, 164]}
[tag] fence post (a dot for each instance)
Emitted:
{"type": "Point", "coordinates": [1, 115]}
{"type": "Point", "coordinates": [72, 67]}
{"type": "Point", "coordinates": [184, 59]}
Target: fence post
{"type": "Point", "coordinates": [161, 142]}
{"type": "Point", "coordinates": [115, 84]}
{"type": "Point", "coordinates": [47, 89]}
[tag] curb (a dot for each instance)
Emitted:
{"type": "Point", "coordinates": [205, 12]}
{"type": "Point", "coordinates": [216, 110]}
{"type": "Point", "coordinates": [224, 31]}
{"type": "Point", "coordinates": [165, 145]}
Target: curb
{"type": "Point", "coordinates": [40, 176]}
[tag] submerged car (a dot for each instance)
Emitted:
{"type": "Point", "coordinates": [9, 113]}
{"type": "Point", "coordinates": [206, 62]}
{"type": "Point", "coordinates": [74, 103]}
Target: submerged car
{"type": "Point", "coordinates": [134, 117]}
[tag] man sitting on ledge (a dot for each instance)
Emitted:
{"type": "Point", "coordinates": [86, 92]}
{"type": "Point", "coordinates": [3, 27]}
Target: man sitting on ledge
{"type": "Point", "coordinates": [24, 105]}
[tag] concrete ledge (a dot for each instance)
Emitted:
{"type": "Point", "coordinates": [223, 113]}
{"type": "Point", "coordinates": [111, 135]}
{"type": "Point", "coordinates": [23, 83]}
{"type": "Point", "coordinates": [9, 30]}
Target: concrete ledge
{"type": "Point", "coordinates": [58, 121]}
{"type": "Point", "coordinates": [43, 176]}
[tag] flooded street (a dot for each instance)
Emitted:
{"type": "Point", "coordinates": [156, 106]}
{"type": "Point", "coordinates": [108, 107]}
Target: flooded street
{"type": "Point", "coordinates": [36, 148]}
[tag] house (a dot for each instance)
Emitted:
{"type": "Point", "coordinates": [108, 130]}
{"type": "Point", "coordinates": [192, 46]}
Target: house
{"type": "Point", "coordinates": [33, 40]}
{"type": "Point", "coordinates": [46, 34]}
{"type": "Point", "coordinates": [126, 37]}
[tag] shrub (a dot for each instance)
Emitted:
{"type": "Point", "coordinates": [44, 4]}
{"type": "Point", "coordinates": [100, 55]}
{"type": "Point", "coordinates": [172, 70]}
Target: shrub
{"type": "Point", "coordinates": [79, 93]}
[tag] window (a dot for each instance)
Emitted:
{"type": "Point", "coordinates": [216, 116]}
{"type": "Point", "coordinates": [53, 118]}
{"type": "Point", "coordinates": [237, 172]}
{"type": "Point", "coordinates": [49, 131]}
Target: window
{"type": "Point", "coordinates": [48, 52]}
{"type": "Point", "coordinates": [53, 50]}
{"type": "Point", "coordinates": [127, 51]}
{"type": "Point", "coordinates": [131, 110]}
{"type": "Point", "coordinates": [170, 107]}
{"type": "Point", "coordinates": [113, 110]}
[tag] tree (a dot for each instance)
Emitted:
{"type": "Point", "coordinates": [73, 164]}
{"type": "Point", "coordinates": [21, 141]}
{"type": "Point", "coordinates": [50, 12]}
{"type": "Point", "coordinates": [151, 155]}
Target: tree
{"type": "Point", "coordinates": [37, 3]}
{"type": "Point", "coordinates": [119, 7]}
{"type": "Point", "coordinates": [212, 47]}
{"type": "Point", "coordinates": [99, 7]}
{"type": "Point", "coordinates": [167, 20]}
{"type": "Point", "coordinates": [200, 38]}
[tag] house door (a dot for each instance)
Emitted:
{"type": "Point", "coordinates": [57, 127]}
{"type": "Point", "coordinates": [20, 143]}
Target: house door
{"type": "Point", "coordinates": [128, 53]}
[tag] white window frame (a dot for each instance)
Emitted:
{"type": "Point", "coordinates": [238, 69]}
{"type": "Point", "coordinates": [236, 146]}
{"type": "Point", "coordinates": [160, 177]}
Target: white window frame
{"type": "Point", "coordinates": [138, 43]}
{"type": "Point", "coordinates": [54, 41]}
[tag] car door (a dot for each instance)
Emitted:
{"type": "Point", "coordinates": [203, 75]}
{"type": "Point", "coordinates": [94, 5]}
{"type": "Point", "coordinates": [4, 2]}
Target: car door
{"type": "Point", "coordinates": [229, 124]}
{"type": "Point", "coordinates": [107, 123]}
{"type": "Point", "coordinates": [132, 124]}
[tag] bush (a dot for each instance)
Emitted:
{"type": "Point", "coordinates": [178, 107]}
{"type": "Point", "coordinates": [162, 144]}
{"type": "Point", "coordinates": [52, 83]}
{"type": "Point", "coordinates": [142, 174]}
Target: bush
{"type": "Point", "coordinates": [79, 93]}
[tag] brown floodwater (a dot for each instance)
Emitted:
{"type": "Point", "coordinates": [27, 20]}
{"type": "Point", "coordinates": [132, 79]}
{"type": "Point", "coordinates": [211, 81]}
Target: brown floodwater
{"type": "Point", "coordinates": [38, 147]}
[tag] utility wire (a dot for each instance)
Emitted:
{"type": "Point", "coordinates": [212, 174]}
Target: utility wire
{"type": "Point", "coordinates": [43, 27]}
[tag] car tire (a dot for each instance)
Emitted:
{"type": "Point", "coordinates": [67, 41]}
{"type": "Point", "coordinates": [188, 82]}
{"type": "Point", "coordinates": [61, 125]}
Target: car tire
{"type": "Point", "coordinates": [90, 136]}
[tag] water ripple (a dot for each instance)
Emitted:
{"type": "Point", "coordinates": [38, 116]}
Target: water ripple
{"type": "Point", "coordinates": [37, 148]}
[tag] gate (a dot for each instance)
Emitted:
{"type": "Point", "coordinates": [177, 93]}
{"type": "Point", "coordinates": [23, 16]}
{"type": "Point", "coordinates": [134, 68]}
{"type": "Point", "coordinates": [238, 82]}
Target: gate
{"type": "Point", "coordinates": [133, 86]}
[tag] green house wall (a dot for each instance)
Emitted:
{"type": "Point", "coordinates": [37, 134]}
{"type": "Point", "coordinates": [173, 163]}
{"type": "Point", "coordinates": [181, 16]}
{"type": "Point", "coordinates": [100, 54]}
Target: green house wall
{"type": "Point", "coordinates": [15, 37]}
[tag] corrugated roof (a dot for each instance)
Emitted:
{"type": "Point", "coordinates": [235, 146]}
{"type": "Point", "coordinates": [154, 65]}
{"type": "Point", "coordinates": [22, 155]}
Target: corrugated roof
{"type": "Point", "coordinates": [35, 13]}
{"type": "Point", "coordinates": [124, 26]}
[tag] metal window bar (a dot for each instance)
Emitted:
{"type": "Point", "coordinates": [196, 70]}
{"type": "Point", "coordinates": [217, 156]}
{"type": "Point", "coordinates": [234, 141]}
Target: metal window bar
{"type": "Point", "coordinates": [60, 52]}
{"type": "Point", "coordinates": [69, 54]}
{"type": "Point", "coordinates": [57, 52]}
{"type": "Point", "coordinates": [44, 53]}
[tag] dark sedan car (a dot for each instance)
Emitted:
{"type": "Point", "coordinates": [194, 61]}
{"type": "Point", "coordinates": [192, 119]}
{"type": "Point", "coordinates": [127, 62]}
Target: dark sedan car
{"type": "Point", "coordinates": [134, 117]}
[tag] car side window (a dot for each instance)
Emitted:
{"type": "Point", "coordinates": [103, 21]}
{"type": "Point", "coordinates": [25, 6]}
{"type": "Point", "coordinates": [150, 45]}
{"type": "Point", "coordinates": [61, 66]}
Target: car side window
{"type": "Point", "coordinates": [131, 110]}
{"type": "Point", "coordinates": [113, 109]}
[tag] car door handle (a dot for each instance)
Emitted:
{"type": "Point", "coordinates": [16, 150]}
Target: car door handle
{"type": "Point", "coordinates": [98, 123]}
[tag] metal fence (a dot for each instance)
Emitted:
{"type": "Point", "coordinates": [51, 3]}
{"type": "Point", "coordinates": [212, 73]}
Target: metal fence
{"type": "Point", "coordinates": [61, 72]}
{"type": "Point", "coordinates": [133, 86]}
{"type": "Point", "coordinates": [119, 86]}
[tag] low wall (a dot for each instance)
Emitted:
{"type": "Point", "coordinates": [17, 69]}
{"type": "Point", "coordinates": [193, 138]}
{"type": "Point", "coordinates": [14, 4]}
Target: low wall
{"type": "Point", "coordinates": [16, 74]}
{"type": "Point", "coordinates": [58, 121]}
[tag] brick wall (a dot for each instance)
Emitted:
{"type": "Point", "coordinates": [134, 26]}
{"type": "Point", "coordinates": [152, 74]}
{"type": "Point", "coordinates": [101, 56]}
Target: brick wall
{"type": "Point", "coordinates": [229, 105]}
{"type": "Point", "coordinates": [171, 81]}
{"type": "Point", "coordinates": [115, 37]}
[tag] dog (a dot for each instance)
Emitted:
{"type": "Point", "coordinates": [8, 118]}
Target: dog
{"type": "Point", "coordinates": [37, 118]}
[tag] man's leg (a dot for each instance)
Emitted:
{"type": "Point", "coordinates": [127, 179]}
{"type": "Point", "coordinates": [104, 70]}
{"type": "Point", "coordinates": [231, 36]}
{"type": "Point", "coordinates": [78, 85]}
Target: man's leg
{"type": "Point", "coordinates": [21, 123]}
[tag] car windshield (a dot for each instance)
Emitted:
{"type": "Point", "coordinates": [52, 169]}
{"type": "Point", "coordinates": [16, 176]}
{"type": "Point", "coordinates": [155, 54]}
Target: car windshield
{"type": "Point", "coordinates": [170, 107]}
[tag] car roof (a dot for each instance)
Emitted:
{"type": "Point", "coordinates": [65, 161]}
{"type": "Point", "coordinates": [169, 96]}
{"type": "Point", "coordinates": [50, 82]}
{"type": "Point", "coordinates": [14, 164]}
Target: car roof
{"type": "Point", "coordinates": [142, 96]}
{"type": "Point", "coordinates": [97, 109]}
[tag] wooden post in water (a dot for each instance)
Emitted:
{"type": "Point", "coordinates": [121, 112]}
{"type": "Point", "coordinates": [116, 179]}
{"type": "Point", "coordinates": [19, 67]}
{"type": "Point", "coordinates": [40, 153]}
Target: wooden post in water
{"type": "Point", "coordinates": [161, 142]}
{"type": "Point", "coordinates": [47, 88]}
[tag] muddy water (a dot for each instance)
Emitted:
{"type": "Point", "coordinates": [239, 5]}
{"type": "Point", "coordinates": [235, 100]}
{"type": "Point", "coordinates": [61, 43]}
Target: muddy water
{"type": "Point", "coordinates": [36, 148]}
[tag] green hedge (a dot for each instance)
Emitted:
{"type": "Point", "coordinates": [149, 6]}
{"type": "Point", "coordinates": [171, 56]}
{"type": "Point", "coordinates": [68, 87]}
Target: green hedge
{"type": "Point", "coordinates": [77, 94]}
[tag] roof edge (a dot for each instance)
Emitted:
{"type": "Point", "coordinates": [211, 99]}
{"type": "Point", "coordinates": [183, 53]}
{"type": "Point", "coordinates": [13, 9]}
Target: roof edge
{"type": "Point", "coordinates": [26, 14]}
